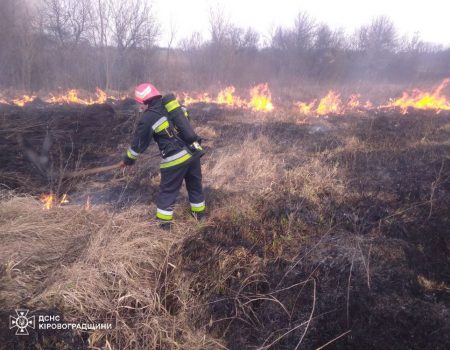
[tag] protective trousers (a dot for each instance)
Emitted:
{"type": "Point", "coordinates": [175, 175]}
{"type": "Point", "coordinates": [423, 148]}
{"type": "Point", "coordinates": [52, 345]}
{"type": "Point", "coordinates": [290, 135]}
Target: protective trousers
{"type": "Point", "coordinates": [171, 181]}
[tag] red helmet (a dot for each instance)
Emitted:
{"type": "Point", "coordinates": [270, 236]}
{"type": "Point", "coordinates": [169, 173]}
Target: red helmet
{"type": "Point", "coordinates": [145, 92]}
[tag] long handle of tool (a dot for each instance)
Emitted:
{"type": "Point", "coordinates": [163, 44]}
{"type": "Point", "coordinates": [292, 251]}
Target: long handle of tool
{"type": "Point", "coordinates": [101, 169]}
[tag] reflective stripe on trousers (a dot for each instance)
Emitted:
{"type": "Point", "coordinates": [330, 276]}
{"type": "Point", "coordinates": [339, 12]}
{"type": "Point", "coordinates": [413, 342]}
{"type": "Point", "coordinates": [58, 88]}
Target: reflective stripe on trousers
{"type": "Point", "coordinates": [198, 207]}
{"type": "Point", "coordinates": [175, 159]}
{"type": "Point", "coordinates": [166, 215]}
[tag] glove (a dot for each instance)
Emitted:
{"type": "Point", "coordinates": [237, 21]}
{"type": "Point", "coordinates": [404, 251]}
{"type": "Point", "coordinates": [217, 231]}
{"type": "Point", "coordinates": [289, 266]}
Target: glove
{"type": "Point", "coordinates": [197, 149]}
{"type": "Point", "coordinates": [185, 112]}
{"type": "Point", "coordinates": [195, 146]}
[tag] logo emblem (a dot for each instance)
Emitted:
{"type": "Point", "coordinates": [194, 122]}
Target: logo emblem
{"type": "Point", "coordinates": [21, 322]}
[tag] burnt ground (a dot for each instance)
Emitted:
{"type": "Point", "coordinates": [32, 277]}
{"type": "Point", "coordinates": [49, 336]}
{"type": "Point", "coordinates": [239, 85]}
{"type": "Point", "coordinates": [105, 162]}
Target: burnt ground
{"type": "Point", "coordinates": [40, 143]}
{"type": "Point", "coordinates": [351, 240]}
{"type": "Point", "coordinates": [375, 255]}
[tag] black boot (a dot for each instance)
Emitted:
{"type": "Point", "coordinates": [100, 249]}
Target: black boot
{"type": "Point", "coordinates": [199, 215]}
{"type": "Point", "coordinates": [165, 225]}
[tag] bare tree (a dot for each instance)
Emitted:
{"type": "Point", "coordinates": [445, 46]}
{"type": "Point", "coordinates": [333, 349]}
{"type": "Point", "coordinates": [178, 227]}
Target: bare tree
{"type": "Point", "coordinates": [69, 21]}
{"type": "Point", "coordinates": [101, 26]}
{"type": "Point", "coordinates": [219, 25]}
{"type": "Point", "coordinates": [327, 39]}
{"type": "Point", "coordinates": [113, 44]}
{"type": "Point", "coordinates": [169, 71]}
{"type": "Point", "coordinates": [251, 39]}
{"type": "Point", "coordinates": [101, 39]}
{"type": "Point", "coordinates": [133, 24]}
{"type": "Point", "coordinates": [192, 43]}
{"type": "Point", "coordinates": [281, 39]}
{"type": "Point", "coordinates": [303, 31]}
{"type": "Point", "coordinates": [378, 36]}
{"type": "Point", "coordinates": [17, 42]}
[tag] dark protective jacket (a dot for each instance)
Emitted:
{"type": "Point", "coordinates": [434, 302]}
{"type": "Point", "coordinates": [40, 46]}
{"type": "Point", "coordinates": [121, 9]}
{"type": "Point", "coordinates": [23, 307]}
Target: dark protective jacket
{"type": "Point", "coordinates": [174, 140]}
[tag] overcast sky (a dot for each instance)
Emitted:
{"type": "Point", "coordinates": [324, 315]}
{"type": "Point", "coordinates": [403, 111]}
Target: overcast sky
{"type": "Point", "coordinates": [429, 17]}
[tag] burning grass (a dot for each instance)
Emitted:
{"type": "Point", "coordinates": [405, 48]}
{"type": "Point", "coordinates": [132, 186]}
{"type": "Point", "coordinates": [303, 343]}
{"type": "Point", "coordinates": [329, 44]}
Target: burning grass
{"type": "Point", "coordinates": [259, 99]}
{"type": "Point", "coordinates": [72, 96]}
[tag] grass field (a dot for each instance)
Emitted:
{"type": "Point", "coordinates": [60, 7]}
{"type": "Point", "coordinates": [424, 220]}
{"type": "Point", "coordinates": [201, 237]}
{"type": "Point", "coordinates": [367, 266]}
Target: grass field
{"type": "Point", "coordinates": [322, 232]}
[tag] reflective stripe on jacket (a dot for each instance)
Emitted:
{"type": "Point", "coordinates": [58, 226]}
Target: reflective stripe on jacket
{"type": "Point", "coordinates": [155, 124]}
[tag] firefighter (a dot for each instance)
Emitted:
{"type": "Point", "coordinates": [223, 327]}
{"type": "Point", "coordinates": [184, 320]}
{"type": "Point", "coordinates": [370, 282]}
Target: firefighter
{"type": "Point", "coordinates": [167, 122]}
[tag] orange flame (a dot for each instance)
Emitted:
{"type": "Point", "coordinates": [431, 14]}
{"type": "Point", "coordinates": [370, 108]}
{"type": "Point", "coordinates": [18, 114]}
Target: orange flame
{"type": "Point", "coordinates": [422, 100]}
{"type": "Point", "coordinates": [261, 98]}
{"type": "Point", "coordinates": [306, 108]}
{"type": "Point", "coordinates": [226, 97]}
{"type": "Point", "coordinates": [88, 203]}
{"type": "Point", "coordinates": [368, 105]}
{"type": "Point", "coordinates": [49, 200]}
{"type": "Point", "coordinates": [353, 101]}
{"type": "Point", "coordinates": [333, 104]}
{"type": "Point", "coordinates": [72, 97]}
{"type": "Point", "coordinates": [102, 97]}
{"type": "Point", "coordinates": [24, 100]}
{"type": "Point", "coordinates": [64, 199]}
{"type": "Point", "coordinates": [200, 98]}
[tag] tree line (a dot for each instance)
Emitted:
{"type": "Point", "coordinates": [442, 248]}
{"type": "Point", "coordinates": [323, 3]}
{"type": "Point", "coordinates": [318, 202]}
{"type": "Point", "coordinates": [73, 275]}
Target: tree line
{"type": "Point", "coordinates": [112, 44]}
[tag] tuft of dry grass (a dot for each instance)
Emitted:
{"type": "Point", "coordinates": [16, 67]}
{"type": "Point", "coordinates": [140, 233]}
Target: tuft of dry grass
{"type": "Point", "coordinates": [206, 132]}
{"type": "Point", "coordinates": [93, 265]}
{"type": "Point", "coordinates": [246, 166]}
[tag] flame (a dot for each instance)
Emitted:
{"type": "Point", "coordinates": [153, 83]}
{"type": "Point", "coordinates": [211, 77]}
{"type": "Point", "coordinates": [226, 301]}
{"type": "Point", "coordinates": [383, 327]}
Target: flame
{"type": "Point", "coordinates": [50, 199]}
{"type": "Point", "coordinates": [422, 100]}
{"type": "Point", "coordinates": [261, 98]}
{"type": "Point", "coordinates": [102, 97]}
{"type": "Point", "coordinates": [226, 97]}
{"type": "Point", "coordinates": [200, 98]}
{"type": "Point", "coordinates": [47, 200]}
{"type": "Point", "coordinates": [64, 199]}
{"type": "Point", "coordinates": [353, 101]}
{"type": "Point", "coordinates": [333, 104]}
{"type": "Point", "coordinates": [368, 105]}
{"type": "Point", "coordinates": [306, 108]}
{"type": "Point", "coordinates": [24, 100]}
{"type": "Point", "coordinates": [72, 97]}
{"type": "Point", "coordinates": [88, 203]}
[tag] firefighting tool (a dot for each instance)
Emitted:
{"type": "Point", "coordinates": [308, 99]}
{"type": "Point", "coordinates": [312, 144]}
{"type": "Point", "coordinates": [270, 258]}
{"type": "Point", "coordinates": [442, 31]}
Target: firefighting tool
{"type": "Point", "coordinates": [92, 171]}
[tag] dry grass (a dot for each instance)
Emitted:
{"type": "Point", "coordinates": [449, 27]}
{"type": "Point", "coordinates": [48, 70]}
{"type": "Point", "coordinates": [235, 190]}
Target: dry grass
{"type": "Point", "coordinates": [94, 265]}
{"type": "Point", "coordinates": [246, 166]}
